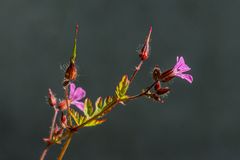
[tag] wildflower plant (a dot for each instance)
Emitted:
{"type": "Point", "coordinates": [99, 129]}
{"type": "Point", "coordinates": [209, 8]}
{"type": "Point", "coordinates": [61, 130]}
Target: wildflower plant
{"type": "Point", "coordinates": [74, 112]}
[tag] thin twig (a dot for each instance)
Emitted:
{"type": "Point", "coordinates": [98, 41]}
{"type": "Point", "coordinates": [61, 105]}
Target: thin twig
{"type": "Point", "coordinates": [143, 93]}
{"type": "Point", "coordinates": [53, 123]}
{"type": "Point", "coordinates": [136, 71]}
{"type": "Point", "coordinates": [44, 153]}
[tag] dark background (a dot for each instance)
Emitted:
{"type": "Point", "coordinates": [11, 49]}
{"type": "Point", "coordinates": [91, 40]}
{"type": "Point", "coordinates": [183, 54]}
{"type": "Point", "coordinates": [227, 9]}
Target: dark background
{"type": "Point", "coordinates": [197, 122]}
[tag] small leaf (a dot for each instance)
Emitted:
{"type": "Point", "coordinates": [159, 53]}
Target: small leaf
{"type": "Point", "coordinates": [109, 99]}
{"type": "Point", "coordinates": [88, 107]}
{"type": "Point", "coordinates": [78, 119]}
{"type": "Point", "coordinates": [122, 87]}
{"type": "Point", "coordinates": [99, 103]}
{"type": "Point", "coordinates": [95, 122]}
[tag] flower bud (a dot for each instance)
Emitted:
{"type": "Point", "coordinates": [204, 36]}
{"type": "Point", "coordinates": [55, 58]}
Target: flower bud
{"type": "Point", "coordinates": [51, 98]}
{"type": "Point", "coordinates": [157, 86]}
{"type": "Point", "coordinates": [144, 53]}
{"type": "Point", "coordinates": [163, 91]}
{"type": "Point", "coordinates": [156, 73]}
{"type": "Point", "coordinates": [156, 97]}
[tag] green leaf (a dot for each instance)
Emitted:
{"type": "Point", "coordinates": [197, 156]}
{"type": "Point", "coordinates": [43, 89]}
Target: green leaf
{"type": "Point", "coordinates": [95, 122]}
{"type": "Point", "coordinates": [122, 87]}
{"type": "Point", "coordinates": [78, 119]}
{"type": "Point", "coordinates": [99, 103]}
{"type": "Point", "coordinates": [108, 100]}
{"type": "Point", "coordinates": [88, 107]}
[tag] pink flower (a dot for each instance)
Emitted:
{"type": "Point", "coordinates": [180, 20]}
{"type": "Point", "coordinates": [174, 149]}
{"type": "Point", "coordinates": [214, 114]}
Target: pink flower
{"type": "Point", "coordinates": [75, 95]}
{"type": "Point", "coordinates": [178, 70]}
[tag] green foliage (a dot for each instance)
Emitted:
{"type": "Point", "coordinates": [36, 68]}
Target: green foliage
{"type": "Point", "coordinates": [95, 122]}
{"type": "Point", "coordinates": [122, 88]}
{"type": "Point", "coordinates": [99, 103]}
{"type": "Point", "coordinates": [92, 115]}
{"type": "Point", "coordinates": [88, 107]}
{"type": "Point", "coordinates": [78, 119]}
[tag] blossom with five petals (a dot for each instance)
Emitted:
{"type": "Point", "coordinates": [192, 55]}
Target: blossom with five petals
{"type": "Point", "coordinates": [75, 95]}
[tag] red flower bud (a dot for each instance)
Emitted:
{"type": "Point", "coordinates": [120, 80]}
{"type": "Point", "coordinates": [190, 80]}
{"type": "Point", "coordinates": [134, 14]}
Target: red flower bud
{"type": "Point", "coordinates": [163, 91]}
{"type": "Point", "coordinates": [157, 86]}
{"type": "Point", "coordinates": [51, 98]}
{"type": "Point", "coordinates": [144, 53]}
{"type": "Point", "coordinates": [156, 73]}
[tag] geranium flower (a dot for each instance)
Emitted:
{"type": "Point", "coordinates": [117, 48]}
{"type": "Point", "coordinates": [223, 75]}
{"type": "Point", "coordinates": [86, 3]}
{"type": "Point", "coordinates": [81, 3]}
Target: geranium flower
{"type": "Point", "coordinates": [178, 70]}
{"type": "Point", "coordinates": [75, 95]}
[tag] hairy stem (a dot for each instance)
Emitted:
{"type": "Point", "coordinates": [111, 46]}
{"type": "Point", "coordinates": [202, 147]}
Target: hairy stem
{"type": "Point", "coordinates": [136, 71]}
{"type": "Point", "coordinates": [44, 153]}
{"type": "Point", "coordinates": [66, 97]}
{"type": "Point", "coordinates": [65, 146]}
{"type": "Point", "coordinates": [53, 122]}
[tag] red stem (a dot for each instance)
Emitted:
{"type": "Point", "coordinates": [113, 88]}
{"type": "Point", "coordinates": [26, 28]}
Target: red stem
{"type": "Point", "coordinates": [44, 153]}
{"type": "Point", "coordinates": [53, 122]}
{"type": "Point", "coordinates": [136, 71]}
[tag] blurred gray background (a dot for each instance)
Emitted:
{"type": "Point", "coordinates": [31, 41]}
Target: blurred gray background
{"type": "Point", "coordinates": [197, 122]}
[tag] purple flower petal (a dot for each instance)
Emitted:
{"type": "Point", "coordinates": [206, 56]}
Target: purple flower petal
{"type": "Point", "coordinates": [180, 61]}
{"type": "Point", "coordinates": [181, 66]}
{"type": "Point", "coordinates": [72, 90]}
{"type": "Point", "coordinates": [79, 105]}
{"type": "Point", "coordinates": [187, 77]}
{"type": "Point", "coordinates": [78, 94]}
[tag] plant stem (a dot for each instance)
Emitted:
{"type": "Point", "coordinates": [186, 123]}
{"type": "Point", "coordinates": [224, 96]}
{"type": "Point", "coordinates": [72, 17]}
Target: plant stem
{"type": "Point", "coordinates": [65, 146]}
{"type": "Point", "coordinates": [136, 71]}
{"type": "Point", "coordinates": [53, 122]}
{"type": "Point", "coordinates": [143, 93]}
{"type": "Point", "coordinates": [110, 106]}
{"type": "Point", "coordinates": [44, 153]}
{"type": "Point", "coordinates": [66, 97]}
